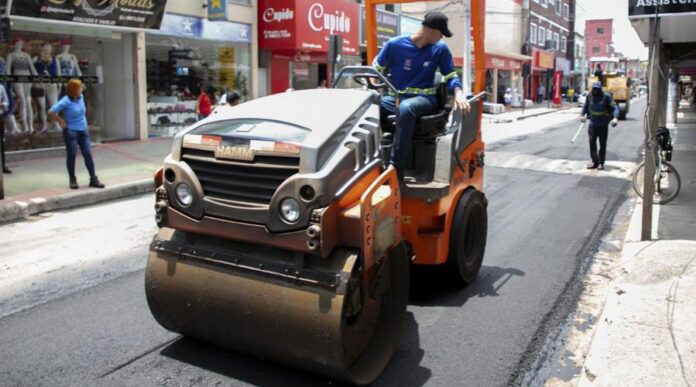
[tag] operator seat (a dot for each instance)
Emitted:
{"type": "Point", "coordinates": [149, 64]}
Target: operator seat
{"type": "Point", "coordinates": [427, 129]}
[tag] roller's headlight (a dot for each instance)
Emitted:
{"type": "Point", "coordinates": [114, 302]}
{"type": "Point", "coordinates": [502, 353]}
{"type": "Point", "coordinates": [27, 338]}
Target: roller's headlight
{"type": "Point", "coordinates": [290, 210]}
{"type": "Point", "coordinates": [184, 194]}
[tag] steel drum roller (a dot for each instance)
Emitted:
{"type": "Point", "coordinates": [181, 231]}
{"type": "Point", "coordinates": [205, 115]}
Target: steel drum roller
{"type": "Point", "coordinates": [204, 295]}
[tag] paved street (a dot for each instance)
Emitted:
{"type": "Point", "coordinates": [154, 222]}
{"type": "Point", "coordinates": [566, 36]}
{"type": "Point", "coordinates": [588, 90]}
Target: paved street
{"type": "Point", "coordinates": [73, 310]}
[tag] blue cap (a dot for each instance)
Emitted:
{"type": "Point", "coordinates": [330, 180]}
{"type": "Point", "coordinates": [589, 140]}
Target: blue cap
{"type": "Point", "coordinates": [597, 85]}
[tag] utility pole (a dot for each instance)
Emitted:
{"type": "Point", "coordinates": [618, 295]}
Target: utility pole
{"type": "Point", "coordinates": [651, 123]}
{"type": "Point", "coordinates": [466, 66]}
{"type": "Point", "coordinates": [583, 65]}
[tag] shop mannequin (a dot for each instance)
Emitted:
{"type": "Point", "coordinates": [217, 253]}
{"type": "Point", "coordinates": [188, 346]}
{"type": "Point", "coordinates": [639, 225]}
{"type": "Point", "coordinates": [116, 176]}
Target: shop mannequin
{"type": "Point", "coordinates": [19, 63]}
{"type": "Point", "coordinates": [7, 116]}
{"type": "Point", "coordinates": [48, 66]}
{"type": "Point", "coordinates": [67, 62]}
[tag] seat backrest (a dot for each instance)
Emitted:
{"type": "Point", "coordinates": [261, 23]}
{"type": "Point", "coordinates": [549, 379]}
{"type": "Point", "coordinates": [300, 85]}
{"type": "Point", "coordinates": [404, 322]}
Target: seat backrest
{"type": "Point", "coordinates": [443, 97]}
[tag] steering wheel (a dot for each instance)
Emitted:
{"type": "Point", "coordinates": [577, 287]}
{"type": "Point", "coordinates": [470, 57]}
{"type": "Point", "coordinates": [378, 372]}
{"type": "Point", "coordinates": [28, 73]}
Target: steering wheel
{"type": "Point", "coordinates": [371, 81]}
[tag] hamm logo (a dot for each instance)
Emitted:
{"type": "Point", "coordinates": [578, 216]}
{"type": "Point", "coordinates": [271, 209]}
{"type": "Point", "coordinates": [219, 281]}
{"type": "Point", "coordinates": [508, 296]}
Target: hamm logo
{"type": "Point", "coordinates": [243, 153]}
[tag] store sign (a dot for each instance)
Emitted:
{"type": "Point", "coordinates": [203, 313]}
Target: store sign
{"type": "Point", "coordinates": [502, 63]}
{"type": "Point", "coordinates": [121, 13]}
{"type": "Point", "coordinates": [557, 79]}
{"type": "Point", "coordinates": [563, 64]}
{"type": "Point", "coordinates": [409, 25]}
{"type": "Point", "coordinates": [197, 28]}
{"type": "Point", "coordinates": [543, 59]}
{"type": "Point", "coordinates": [182, 26]}
{"type": "Point", "coordinates": [217, 10]}
{"type": "Point", "coordinates": [579, 65]}
{"type": "Point", "coordinates": [226, 31]}
{"type": "Point", "coordinates": [646, 8]}
{"type": "Point", "coordinates": [307, 24]}
{"type": "Point", "coordinates": [387, 27]}
{"type": "Point", "coordinates": [277, 24]}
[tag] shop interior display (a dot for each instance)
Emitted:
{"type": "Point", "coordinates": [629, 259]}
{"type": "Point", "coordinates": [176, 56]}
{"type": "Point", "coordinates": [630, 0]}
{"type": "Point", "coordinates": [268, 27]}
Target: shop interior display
{"type": "Point", "coordinates": [69, 65]}
{"type": "Point", "coordinates": [169, 116]}
{"type": "Point", "coordinates": [20, 63]}
{"type": "Point", "coordinates": [27, 126]}
{"type": "Point", "coordinates": [47, 93]}
{"type": "Point", "coordinates": [173, 87]}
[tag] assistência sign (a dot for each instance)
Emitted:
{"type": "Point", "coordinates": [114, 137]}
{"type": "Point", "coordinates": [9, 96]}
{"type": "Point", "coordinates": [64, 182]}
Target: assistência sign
{"type": "Point", "coordinates": [122, 13]}
{"type": "Point", "coordinates": [647, 8]}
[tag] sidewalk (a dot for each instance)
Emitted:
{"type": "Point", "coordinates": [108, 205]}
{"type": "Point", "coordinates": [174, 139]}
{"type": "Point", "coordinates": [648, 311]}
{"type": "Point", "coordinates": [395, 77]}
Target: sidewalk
{"type": "Point", "coordinates": [517, 113]}
{"type": "Point", "coordinates": [41, 185]}
{"type": "Point", "coordinates": [645, 333]}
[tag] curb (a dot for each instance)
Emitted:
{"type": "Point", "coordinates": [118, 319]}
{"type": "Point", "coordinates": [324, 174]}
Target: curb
{"type": "Point", "coordinates": [23, 209]}
{"type": "Point", "coordinates": [501, 120]}
{"type": "Point", "coordinates": [542, 113]}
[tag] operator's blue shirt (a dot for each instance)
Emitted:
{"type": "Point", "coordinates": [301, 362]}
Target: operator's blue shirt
{"type": "Point", "coordinates": [413, 69]}
{"type": "Point", "coordinates": [73, 112]}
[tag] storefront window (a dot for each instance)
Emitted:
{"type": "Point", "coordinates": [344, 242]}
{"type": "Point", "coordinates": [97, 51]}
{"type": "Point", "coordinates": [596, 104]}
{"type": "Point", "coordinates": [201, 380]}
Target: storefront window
{"type": "Point", "coordinates": [54, 56]}
{"type": "Point", "coordinates": [180, 69]}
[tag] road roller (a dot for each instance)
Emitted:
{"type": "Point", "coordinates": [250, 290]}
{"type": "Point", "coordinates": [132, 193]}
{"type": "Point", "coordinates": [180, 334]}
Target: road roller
{"type": "Point", "coordinates": [284, 232]}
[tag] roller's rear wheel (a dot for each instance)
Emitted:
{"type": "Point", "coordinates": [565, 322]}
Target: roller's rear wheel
{"type": "Point", "coordinates": [623, 111]}
{"type": "Point", "coordinates": [467, 238]}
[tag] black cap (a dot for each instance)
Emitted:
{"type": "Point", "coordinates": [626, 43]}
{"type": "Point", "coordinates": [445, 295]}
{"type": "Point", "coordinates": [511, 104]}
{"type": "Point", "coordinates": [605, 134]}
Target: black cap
{"type": "Point", "coordinates": [437, 21]}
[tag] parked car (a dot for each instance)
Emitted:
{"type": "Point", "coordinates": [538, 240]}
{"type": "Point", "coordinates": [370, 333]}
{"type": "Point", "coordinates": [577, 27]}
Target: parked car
{"type": "Point", "coordinates": [581, 98]}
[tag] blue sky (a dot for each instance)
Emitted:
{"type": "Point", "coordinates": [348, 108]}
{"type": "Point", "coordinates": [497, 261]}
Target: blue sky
{"type": "Point", "coordinates": [626, 40]}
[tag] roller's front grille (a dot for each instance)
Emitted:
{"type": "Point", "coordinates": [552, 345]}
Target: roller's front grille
{"type": "Point", "coordinates": [240, 182]}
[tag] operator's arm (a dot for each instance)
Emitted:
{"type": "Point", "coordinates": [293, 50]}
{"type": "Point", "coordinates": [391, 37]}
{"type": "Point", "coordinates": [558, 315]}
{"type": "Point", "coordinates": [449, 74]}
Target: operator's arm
{"type": "Point", "coordinates": [453, 81]}
{"type": "Point", "coordinates": [614, 107]}
{"type": "Point", "coordinates": [585, 107]}
{"type": "Point", "coordinates": [615, 110]}
{"type": "Point", "coordinates": [55, 110]}
{"type": "Point", "coordinates": [381, 61]}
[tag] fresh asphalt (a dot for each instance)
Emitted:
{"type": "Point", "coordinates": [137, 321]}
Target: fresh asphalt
{"type": "Point", "coordinates": [88, 323]}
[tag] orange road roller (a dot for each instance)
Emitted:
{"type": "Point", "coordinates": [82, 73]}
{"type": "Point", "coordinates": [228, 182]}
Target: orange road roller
{"type": "Point", "coordinates": [285, 233]}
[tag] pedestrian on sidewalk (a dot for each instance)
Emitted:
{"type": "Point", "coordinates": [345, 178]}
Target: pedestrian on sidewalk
{"type": "Point", "coordinates": [204, 106]}
{"type": "Point", "coordinates": [541, 92]}
{"type": "Point", "coordinates": [75, 131]}
{"type": "Point", "coordinates": [4, 105]}
{"type": "Point", "coordinates": [601, 108]}
{"type": "Point", "coordinates": [507, 99]}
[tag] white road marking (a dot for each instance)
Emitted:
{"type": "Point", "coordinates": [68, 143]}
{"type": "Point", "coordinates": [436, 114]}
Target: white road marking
{"type": "Point", "coordinates": [616, 169]}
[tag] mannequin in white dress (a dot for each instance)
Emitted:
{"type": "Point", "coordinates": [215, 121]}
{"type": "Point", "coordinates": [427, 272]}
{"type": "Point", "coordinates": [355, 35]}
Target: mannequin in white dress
{"type": "Point", "coordinates": [8, 117]}
{"type": "Point", "coordinates": [48, 66]}
{"type": "Point", "coordinates": [67, 62]}
{"type": "Point", "coordinates": [19, 63]}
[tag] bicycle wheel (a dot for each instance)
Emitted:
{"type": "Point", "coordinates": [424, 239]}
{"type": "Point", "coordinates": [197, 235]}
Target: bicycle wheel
{"type": "Point", "coordinates": [666, 187]}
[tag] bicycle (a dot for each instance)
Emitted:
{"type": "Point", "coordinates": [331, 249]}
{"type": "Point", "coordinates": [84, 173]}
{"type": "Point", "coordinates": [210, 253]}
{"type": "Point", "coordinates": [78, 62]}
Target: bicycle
{"type": "Point", "coordinates": [667, 180]}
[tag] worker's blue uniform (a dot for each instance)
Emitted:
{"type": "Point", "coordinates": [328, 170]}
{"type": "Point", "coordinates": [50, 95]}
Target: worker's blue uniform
{"type": "Point", "coordinates": [600, 110]}
{"type": "Point", "coordinates": [412, 72]}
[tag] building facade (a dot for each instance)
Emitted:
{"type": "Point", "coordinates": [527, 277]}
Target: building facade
{"type": "Point", "coordinates": [142, 64]}
{"type": "Point", "coordinates": [550, 38]}
{"type": "Point", "coordinates": [599, 38]}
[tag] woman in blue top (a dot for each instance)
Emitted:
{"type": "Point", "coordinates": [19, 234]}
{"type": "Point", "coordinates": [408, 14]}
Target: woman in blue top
{"type": "Point", "coordinates": [75, 132]}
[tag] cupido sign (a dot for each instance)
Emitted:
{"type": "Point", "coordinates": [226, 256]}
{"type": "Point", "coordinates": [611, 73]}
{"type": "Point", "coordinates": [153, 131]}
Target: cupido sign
{"type": "Point", "coordinates": [306, 24]}
{"type": "Point", "coordinates": [647, 8]}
